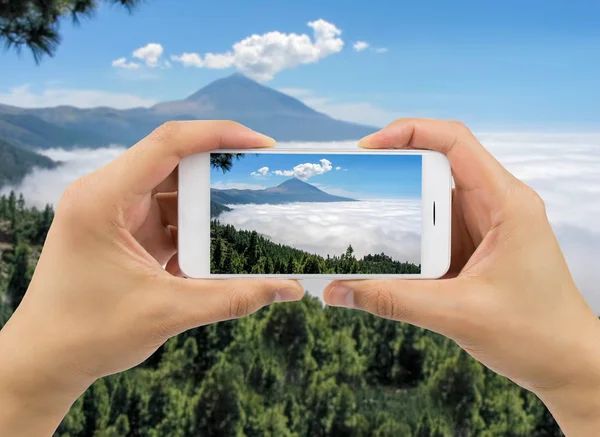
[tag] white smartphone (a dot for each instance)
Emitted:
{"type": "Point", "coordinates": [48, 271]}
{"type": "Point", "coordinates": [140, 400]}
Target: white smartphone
{"type": "Point", "coordinates": [315, 213]}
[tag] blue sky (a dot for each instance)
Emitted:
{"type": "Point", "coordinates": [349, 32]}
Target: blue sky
{"type": "Point", "coordinates": [357, 176]}
{"type": "Point", "coordinates": [511, 65]}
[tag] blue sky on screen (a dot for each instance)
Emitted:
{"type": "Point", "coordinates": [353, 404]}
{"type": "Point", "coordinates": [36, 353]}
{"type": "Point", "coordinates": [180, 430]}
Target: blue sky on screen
{"type": "Point", "coordinates": [502, 66]}
{"type": "Point", "coordinates": [358, 176]}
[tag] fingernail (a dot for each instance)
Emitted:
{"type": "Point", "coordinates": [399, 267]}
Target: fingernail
{"type": "Point", "coordinates": [267, 140]}
{"type": "Point", "coordinates": [341, 296]}
{"type": "Point", "coordinates": [366, 140]}
{"type": "Point", "coordinates": [286, 295]}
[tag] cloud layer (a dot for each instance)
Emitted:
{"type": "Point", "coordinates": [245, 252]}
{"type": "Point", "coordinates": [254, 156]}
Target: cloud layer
{"type": "Point", "coordinates": [328, 228]}
{"type": "Point", "coordinates": [562, 168]}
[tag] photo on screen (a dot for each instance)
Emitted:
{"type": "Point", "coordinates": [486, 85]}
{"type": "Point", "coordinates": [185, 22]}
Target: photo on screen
{"type": "Point", "coordinates": [313, 213]}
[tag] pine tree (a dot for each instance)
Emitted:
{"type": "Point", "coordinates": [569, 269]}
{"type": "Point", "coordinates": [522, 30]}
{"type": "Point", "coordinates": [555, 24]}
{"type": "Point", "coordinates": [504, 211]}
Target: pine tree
{"type": "Point", "coordinates": [228, 263]}
{"type": "Point", "coordinates": [96, 408]}
{"type": "Point", "coordinates": [35, 23]}
{"type": "Point", "coordinates": [19, 278]}
{"type": "Point", "coordinates": [218, 255]}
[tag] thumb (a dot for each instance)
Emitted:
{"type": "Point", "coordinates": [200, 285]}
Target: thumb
{"type": "Point", "coordinates": [438, 305]}
{"type": "Point", "coordinates": [190, 303]}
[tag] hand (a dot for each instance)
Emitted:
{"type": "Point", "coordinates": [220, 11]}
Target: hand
{"type": "Point", "coordinates": [509, 299]}
{"type": "Point", "coordinates": [100, 301]}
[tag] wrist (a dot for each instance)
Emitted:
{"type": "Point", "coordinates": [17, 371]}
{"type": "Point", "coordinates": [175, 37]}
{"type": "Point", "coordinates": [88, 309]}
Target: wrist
{"type": "Point", "coordinates": [576, 404]}
{"type": "Point", "coordinates": [34, 394]}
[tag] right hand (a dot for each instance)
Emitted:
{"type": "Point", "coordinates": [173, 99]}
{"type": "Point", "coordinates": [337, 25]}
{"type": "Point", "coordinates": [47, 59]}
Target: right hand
{"type": "Point", "coordinates": [509, 299]}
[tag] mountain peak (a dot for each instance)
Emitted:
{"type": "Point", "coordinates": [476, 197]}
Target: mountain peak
{"type": "Point", "coordinates": [295, 185]}
{"type": "Point", "coordinates": [238, 94]}
{"type": "Point", "coordinates": [294, 182]}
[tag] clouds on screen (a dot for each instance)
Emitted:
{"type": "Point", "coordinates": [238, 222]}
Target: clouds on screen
{"type": "Point", "coordinates": [301, 171]}
{"type": "Point", "coordinates": [563, 168]}
{"type": "Point", "coordinates": [263, 171]}
{"type": "Point", "coordinates": [392, 227]}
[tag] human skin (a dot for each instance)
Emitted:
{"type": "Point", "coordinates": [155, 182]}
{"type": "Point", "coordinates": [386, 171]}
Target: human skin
{"type": "Point", "coordinates": [100, 301]}
{"type": "Point", "coordinates": [509, 299]}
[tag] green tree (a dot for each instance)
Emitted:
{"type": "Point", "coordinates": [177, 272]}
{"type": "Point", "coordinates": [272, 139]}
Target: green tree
{"type": "Point", "coordinates": [218, 255]}
{"type": "Point", "coordinates": [96, 408]}
{"type": "Point", "coordinates": [456, 387]}
{"type": "Point", "coordinates": [217, 410]}
{"type": "Point", "coordinates": [19, 278]}
{"type": "Point", "coordinates": [35, 23]}
{"type": "Point", "coordinates": [253, 252]}
{"type": "Point", "coordinates": [224, 161]}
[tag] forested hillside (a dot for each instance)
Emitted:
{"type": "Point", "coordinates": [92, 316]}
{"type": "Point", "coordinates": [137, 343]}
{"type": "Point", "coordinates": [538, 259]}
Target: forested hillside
{"type": "Point", "coordinates": [234, 251]}
{"type": "Point", "coordinates": [16, 162]}
{"type": "Point", "coordinates": [291, 370]}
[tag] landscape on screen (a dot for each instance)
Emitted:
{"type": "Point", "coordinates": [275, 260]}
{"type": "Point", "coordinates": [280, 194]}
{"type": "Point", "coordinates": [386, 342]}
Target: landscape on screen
{"type": "Point", "coordinates": [315, 214]}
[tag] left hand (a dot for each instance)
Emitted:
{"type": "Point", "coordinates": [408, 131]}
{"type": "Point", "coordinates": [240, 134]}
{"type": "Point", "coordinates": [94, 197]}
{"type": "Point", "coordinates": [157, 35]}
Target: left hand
{"type": "Point", "coordinates": [100, 301]}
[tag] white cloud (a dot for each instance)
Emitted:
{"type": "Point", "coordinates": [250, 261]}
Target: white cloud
{"type": "Point", "coordinates": [338, 168]}
{"type": "Point", "coordinates": [261, 57]}
{"type": "Point", "coordinates": [392, 227]}
{"type": "Point", "coordinates": [263, 171]}
{"type": "Point", "coordinates": [307, 170]}
{"type": "Point", "coordinates": [44, 186]}
{"type": "Point", "coordinates": [122, 63]}
{"type": "Point", "coordinates": [24, 97]}
{"type": "Point", "coordinates": [188, 60]}
{"type": "Point", "coordinates": [359, 46]}
{"type": "Point", "coordinates": [218, 61]}
{"type": "Point", "coordinates": [150, 54]}
{"type": "Point", "coordinates": [211, 60]}
{"type": "Point", "coordinates": [381, 50]}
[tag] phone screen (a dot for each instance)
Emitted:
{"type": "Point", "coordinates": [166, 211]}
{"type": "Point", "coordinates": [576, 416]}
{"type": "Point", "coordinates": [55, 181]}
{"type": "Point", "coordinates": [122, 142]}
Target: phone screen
{"type": "Point", "coordinates": [310, 213]}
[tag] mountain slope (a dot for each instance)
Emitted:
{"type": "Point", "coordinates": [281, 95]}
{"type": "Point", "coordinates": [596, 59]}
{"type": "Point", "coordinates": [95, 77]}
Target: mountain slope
{"type": "Point", "coordinates": [30, 131]}
{"type": "Point", "coordinates": [232, 98]}
{"type": "Point", "coordinates": [16, 162]}
{"type": "Point", "coordinates": [292, 190]}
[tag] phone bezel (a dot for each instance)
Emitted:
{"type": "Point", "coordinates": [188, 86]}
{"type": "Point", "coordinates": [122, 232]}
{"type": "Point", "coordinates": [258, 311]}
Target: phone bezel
{"type": "Point", "coordinates": [194, 214]}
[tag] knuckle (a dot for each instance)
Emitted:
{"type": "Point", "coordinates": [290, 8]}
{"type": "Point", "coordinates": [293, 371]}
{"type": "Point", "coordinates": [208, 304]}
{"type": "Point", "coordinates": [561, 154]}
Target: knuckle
{"type": "Point", "coordinates": [166, 131]}
{"type": "Point", "coordinates": [531, 200]}
{"type": "Point", "coordinates": [230, 124]}
{"type": "Point", "coordinates": [239, 305]}
{"type": "Point", "coordinates": [71, 205]}
{"type": "Point", "coordinates": [536, 200]}
{"type": "Point", "coordinates": [459, 125]}
{"type": "Point", "coordinates": [160, 314]}
{"type": "Point", "coordinates": [383, 304]}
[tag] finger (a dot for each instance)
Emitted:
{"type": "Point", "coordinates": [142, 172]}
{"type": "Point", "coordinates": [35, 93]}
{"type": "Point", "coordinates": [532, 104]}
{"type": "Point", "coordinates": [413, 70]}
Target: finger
{"type": "Point", "coordinates": [169, 185]}
{"type": "Point", "coordinates": [167, 202]}
{"type": "Point", "coordinates": [197, 302]}
{"type": "Point", "coordinates": [148, 163]}
{"type": "Point", "coordinates": [473, 167]}
{"type": "Point", "coordinates": [462, 245]}
{"type": "Point", "coordinates": [174, 236]}
{"type": "Point", "coordinates": [438, 305]}
{"type": "Point", "coordinates": [173, 266]}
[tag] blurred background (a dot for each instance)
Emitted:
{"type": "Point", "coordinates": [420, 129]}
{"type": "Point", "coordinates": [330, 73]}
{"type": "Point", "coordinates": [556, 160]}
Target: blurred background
{"type": "Point", "coordinates": [82, 80]}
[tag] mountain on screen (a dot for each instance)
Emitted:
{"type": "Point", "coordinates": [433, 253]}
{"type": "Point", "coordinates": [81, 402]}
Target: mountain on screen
{"type": "Point", "coordinates": [292, 190]}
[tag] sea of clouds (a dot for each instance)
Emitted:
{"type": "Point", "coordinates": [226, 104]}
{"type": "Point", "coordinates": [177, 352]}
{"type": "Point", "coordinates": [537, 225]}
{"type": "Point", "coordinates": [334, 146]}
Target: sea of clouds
{"type": "Point", "coordinates": [563, 168]}
{"type": "Point", "coordinates": [392, 227]}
